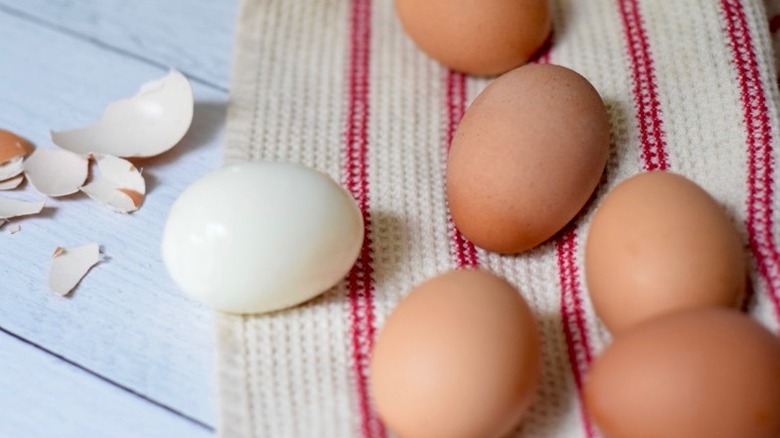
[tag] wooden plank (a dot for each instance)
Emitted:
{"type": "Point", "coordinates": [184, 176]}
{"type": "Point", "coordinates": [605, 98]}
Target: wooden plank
{"type": "Point", "coordinates": [65, 401]}
{"type": "Point", "coordinates": [194, 36]}
{"type": "Point", "coordinates": [126, 321]}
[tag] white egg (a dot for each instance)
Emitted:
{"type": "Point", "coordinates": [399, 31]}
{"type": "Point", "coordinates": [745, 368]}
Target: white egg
{"type": "Point", "coordinates": [258, 237]}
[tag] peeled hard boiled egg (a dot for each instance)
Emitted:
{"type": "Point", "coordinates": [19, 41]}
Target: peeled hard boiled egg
{"type": "Point", "coordinates": [258, 237]}
{"type": "Point", "coordinates": [458, 358]}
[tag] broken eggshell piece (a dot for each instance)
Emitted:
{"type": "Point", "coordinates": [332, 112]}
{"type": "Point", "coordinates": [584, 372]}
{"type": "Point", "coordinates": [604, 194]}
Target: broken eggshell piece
{"type": "Point", "coordinates": [120, 185]}
{"type": "Point", "coordinates": [11, 183]}
{"type": "Point", "coordinates": [259, 237]}
{"type": "Point", "coordinates": [56, 172]}
{"type": "Point", "coordinates": [70, 265]}
{"type": "Point", "coordinates": [12, 146]}
{"type": "Point", "coordinates": [148, 124]}
{"type": "Point", "coordinates": [13, 207]}
{"type": "Point", "coordinates": [11, 168]}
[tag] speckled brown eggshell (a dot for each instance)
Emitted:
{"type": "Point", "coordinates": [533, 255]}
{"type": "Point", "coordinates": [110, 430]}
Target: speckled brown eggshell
{"type": "Point", "coordinates": [711, 373]}
{"type": "Point", "coordinates": [479, 37]}
{"type": "Point", "coordinates": [526, 157]}
{"type": "Point", "coordinates": [458, 358]}
{"type": "Point", "coordinates": [659, 243]}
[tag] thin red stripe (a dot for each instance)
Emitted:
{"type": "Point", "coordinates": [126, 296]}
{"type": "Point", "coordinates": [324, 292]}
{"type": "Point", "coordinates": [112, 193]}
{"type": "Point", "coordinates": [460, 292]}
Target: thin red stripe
{"type": "Point", "coordinates": [360, 280]}
{"type": "Point", "coordinates": [759, 221]}
{"type": "Point", "coordinates": [573, 316]}
{"type": "Point", "coordinates": [645, 89]}
{"type": "Point", "coordinates": [463, 250]}
{"type": "Point", "coordinates": [654, 156]}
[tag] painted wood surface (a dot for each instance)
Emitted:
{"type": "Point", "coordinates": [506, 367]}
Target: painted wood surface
{"type": "Point", "coordinates": [126, 354]}
{"type": "Point", "coordinates": [194, 35]}
{"type": "Point", "coordinates": [54, 404]}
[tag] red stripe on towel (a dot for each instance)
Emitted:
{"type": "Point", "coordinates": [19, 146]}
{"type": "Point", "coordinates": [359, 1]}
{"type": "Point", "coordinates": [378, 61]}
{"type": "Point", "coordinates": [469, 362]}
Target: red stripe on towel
{"type": "Point", "coordinates": [573, 316]}
{"type": "Point", "coordinates": [648, 107]}
{"type": "Point", "coordinates": [463, 250]}
{"type": "Point", "coordinates": [654, 156]}
{"type": "Point", "coordinates": [759, 221]}
{"type": "Point", "coordinates": [360, 280]}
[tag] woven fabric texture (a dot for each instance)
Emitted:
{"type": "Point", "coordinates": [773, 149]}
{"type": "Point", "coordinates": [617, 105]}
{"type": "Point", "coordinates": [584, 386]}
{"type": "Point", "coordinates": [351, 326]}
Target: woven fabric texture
{"type": "Point", "coordinates": [690, 86]}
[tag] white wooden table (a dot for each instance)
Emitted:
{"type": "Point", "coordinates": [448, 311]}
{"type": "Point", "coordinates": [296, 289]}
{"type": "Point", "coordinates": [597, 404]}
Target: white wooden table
{"type": "Point", "coordinates": [126, 354]}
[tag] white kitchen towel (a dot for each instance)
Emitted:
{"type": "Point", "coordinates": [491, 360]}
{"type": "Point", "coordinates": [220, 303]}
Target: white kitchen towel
{"type": "Point", "coordinates": [690, 87]}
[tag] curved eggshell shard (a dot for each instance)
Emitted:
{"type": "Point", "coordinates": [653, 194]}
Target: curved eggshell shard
{"type": "Point", "coordinates": [13, 146]}
{"type": "Point", "coordinates": [55, 172]}
{"type": "Point", "coordinates": [120, 185]}
{"type": "Point", "coordinates": [148, 124]}
{"type": "Point", "coordinates": [11, 183]}
{"type": "Point", "coordinates": [11, 168]}
{"type": "Point", "coordinates": [70, 265]}
{"type": "Point", "coordinates": [13, 207]}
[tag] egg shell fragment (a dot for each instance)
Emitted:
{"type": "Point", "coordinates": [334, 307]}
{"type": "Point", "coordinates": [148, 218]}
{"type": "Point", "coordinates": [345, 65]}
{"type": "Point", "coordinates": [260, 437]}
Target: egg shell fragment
{"type": "Point", "coordinates": [659, 243]}
{"type": "Point", "coordinates": [11, 168]}
{"type": "Point", "coordinates": [259, 237]}
{"type": "Point", "coordinates": [56, 172]}
{"type": "Point", "coordinates": [526, 157]}
{"type": "Point", "coordinates": [11, 183]}
{"type": "Point", "coordinates": [120, 185]}
{"type": "Point", "coordinates": [711, 373]}
{"type": "Point", "coordinates": [13, 207]}
{"type": "Point", "coordinates": [12, 146]}
{"type": "Point", "coordinates": [70, 265]}
{"type": "Point", "coordinates": [458, 358]}
{"type": "Point", "coordinates": [148, 124]}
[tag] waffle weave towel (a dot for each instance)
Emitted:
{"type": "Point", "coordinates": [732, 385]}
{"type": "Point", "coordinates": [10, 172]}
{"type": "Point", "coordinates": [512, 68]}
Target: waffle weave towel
{"type": "Point", "coordinates": [335, 84]}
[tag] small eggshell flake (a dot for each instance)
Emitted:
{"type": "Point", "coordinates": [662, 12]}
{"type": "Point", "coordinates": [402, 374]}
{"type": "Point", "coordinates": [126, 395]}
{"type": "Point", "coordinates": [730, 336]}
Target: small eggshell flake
{"type": "Point", "coordinates": [11, 183]}
{"type": "Point", "coordinates": [258, 237]}
{"type": "Point", "coordinates": [55, 172]}
{"type": "Point", "coordinates": [13, 207]}
{"type": "Point", "coordinates": [120, 185]}
{"type": "Point", "coordinates": [148, 124]}
{"type": "Point", "coordinates": [11, 168]}
{"type": "Point", "coordinates": [70, 265]}
{"type": "Point", "coordinates": [12, 146]}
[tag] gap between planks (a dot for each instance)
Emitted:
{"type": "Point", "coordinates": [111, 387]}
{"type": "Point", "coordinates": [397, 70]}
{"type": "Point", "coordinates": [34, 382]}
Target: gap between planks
{"type": "Point", "coordinates": [96, 42]}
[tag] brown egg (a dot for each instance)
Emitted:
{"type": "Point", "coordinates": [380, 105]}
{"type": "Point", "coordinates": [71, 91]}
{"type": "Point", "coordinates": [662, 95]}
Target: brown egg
{"type": "Point", "coordinates": [659, 243]}
{"type": "Point", "coordinates": [459, 357]}
{"type": "Point", "coordinates": [526, 157]}
{"type": "Point", "coordinates": [480, 37]}
{"type": "Point", "coordinates": [711, 373]}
